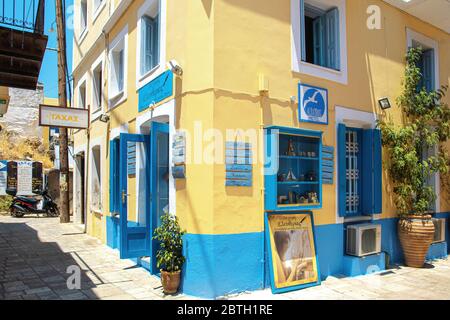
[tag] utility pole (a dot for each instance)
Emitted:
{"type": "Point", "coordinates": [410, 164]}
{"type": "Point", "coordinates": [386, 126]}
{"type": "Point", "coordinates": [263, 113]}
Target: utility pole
{"type": "Point", "coordinates": [63, 135]}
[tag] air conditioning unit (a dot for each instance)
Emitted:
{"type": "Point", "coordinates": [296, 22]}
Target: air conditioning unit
{"type": "Point", "coordinates": [439, 230]}
{"type": "Point", "coordinates": [363, 239]}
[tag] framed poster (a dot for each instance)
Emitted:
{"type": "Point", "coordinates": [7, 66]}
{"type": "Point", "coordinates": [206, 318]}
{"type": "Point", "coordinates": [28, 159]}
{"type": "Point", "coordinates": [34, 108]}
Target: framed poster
{"type": "Point", "coordinates": [312, 104]}
{"type": "Point", "coordinates": [292, 251]}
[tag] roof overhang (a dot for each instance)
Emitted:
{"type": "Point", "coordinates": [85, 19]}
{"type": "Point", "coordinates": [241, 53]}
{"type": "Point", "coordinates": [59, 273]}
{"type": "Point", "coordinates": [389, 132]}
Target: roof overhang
{"type": "Point", "coordinates": [435, 12]}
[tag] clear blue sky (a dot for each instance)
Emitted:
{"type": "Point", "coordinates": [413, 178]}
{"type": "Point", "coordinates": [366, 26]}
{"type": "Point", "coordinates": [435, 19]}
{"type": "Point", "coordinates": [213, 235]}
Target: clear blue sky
{"type": "Point", "coordinates": [49, 70]}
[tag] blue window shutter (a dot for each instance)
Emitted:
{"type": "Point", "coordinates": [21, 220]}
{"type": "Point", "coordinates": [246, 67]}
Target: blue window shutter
{"type": "Point", "coordinates": [367, 172]}
{"type": "Point", "coordinates": [342, 171]}
{"type": "Point", "coordinates": [332, 51]}
{"type": "Point", "coordinates": [371, 172]}
{"type": "Point", "coordinates": [302, 30]}
{"type": "Point", "coordinates": [112, 181]}
{"type": "Point", "coordinates": [143, 43]}
{"type": "Point", "coordinates": [120, 79]}
{"type": "Point", "coordinates": [155, 38]}
{"type": "Point", "coordinates": [318, 37]}
{"type": "Point", "coordinates": [114, 188]}
{"type": "Point", "coordinates": [131, 158]}
{"type": "Point", "coordinates": [428, 70]}
{"type": "Point", "coordinates": [150, 43]}
{"type": "Point", "coordinates": [377, 172]}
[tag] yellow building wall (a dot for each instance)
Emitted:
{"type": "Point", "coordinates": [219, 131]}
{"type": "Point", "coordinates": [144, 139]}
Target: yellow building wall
{"type": "Point", "coordinates": [257, 35]}
{"type": "Point", "coordinates": [223, 46]}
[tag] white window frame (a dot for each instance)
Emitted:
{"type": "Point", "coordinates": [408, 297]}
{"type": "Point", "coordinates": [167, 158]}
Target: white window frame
{"type": "Point", "coordinates": [429, 43]}
{"type": "Point", "coordinates": [118, 97]}
{"type": "Point", "coordinates": [96, 144]}
{"type": "Point", "coordinates": [97, 10]}
{"type": "Point", "coordinates": [95, 113]}
{"type": "Point", "coordinates": [82, 33]}
{"type": "Point", "coordinates": [142, 80]}
{"type": "Point", "coordinates": [83, 81]}
{"type": "Point", "coordinates": [340, 76]}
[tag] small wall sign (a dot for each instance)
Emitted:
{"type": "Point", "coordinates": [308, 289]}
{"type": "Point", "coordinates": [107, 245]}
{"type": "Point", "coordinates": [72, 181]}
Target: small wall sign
{"type": "Point", "coordinates": [327, 165]}
{"type": "Point", "coordinates": [312, 104]}
{"type": "Point", "coordinates": [238, 159]}
{"type": "Point", "coordinates": [179, 156]}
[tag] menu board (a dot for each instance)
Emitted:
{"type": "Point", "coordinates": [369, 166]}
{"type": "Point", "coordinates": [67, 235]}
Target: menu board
{"type": "Point", "coordinates": [24, 178]}
{"type": "Point", "coordinates": [11, 180]}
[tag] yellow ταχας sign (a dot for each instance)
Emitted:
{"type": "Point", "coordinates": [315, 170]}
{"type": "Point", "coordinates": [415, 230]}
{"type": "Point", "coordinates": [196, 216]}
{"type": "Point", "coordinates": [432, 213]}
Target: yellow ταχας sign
{"type": "Point", "coordinates": [293, 250]}
{"type": "Point", "coordinates": [75, 118]}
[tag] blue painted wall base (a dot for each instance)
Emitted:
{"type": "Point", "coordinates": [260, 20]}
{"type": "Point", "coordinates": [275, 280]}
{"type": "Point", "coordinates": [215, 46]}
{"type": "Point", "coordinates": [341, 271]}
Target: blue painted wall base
{"type": "Point", "coordinates": [113, 232]}
{"type": "Point", "coordinates": [218, 265]}
{"type": "Point", "coordinates": [358, 266]}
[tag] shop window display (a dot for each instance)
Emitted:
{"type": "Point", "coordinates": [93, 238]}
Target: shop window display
{"type": "Point", "coordinates": [297, 183]}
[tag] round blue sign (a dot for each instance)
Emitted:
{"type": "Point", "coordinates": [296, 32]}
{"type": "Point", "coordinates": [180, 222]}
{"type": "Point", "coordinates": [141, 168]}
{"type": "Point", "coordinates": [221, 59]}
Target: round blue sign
{"type": "Point", "coordinates": [313, 103]}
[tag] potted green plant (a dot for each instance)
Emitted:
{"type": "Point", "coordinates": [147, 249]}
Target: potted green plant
{"type": "Point", "coordinates": [425, 126]}
{"type": "Point", "coordinates": [169, 257]}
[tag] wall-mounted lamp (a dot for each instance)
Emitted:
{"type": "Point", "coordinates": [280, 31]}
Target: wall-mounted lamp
{"type": "Point", "coordinates": [384, 103]}
{"type": "Point", "coordinates": [174, 66]}
{"type": "Point", "coordinates": [104, 118]}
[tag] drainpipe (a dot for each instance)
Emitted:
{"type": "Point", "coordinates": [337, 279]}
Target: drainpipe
{"type": "Point", "coordinates": [86, 175]}
{"type": "Point", "coordinates": [263, 190]}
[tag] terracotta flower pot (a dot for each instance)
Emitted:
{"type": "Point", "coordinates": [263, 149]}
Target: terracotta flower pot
{"type": "Point", "coordinates": [170, 281]}
{"type": "Point", "coordinates": [416, 234]}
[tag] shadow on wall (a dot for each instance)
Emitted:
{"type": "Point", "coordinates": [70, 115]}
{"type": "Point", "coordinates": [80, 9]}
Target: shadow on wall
{"type": "Point", "coordinates": [31, 269]}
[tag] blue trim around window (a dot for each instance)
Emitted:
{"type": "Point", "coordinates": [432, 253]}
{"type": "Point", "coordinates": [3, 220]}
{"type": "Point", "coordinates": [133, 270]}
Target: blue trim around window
{"type": "Point", "coordinates": [272, 163]}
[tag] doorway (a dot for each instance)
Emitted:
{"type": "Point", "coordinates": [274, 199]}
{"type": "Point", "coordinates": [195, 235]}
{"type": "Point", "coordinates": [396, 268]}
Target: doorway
{"type": "Point", "coordinates": [80, 204]}
{"type": "Point", "coordinates": [144, 189]}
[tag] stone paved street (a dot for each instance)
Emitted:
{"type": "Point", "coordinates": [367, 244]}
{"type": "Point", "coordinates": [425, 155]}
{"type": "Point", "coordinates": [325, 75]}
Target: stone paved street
{"type": "Point", "coordinates": [35, 254]}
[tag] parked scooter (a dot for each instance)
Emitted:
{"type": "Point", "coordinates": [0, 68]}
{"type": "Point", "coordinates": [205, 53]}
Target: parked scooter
{"type": "Point", "coordinates": [33, 205]}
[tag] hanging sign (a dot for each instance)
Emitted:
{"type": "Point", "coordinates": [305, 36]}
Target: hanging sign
{"type": "Point", "coordinates": [74, 118]}
{"type": "Point", "coordinates": [156, 91]}
{"type": "Point", "coordinates": [293, 259]}
{"type": "Point", "coordinates": [3, 177]}
{"type": "Point", "coordinates": [313, 104]}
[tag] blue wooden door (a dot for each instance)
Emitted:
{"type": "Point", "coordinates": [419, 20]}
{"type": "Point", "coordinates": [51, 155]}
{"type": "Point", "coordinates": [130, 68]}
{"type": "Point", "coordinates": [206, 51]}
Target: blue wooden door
{"type": "Point", "coordinates": [159, 180]}
{"type": "Point", "coordinates": [135, 237]}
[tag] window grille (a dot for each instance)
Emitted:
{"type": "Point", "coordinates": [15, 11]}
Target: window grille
{"type": "Point", "coordinates": [352, 174]}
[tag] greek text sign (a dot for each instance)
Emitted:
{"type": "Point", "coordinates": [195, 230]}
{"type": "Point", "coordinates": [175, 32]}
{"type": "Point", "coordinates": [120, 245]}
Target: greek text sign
{"type": "Point", "coordinates": [313, 104]}
{"type": "Point", "coordinates": [75, 118]}
{"type": "Point", "coordinates": [24, 178]}
{"type": "Point", "coordinates": [156, 91]}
